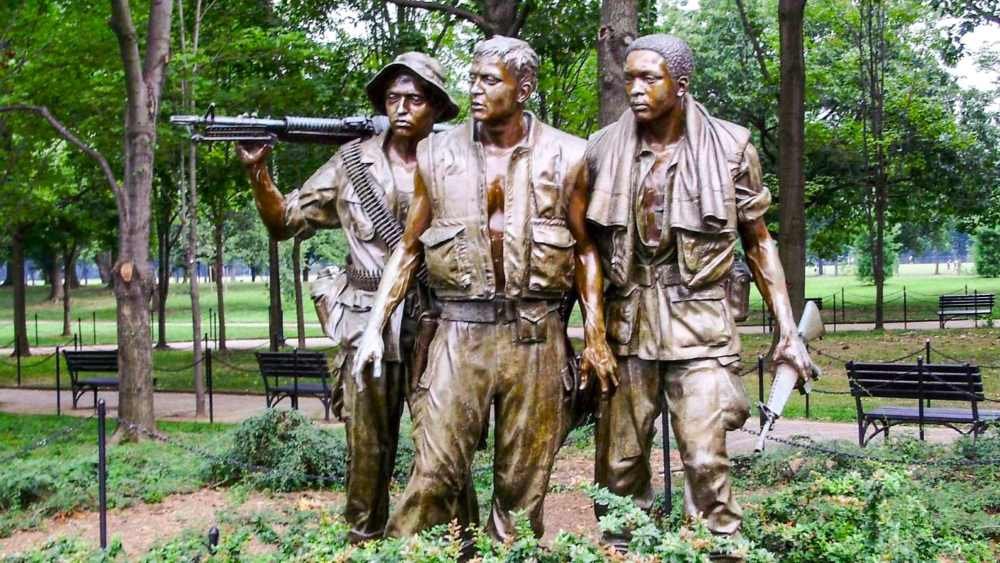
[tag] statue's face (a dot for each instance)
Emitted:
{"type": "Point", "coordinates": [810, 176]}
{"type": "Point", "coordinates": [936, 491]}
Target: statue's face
{"type": "Point", "coordinates": [494, 91]}
{"type": "Point", "coordinates": [409, 110]}
{"type": "Point", "coordinates": [652, 92]}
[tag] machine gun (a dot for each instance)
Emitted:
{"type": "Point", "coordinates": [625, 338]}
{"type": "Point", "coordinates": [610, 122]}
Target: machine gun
{"type": "Point", "coordinates": [210, 128]}
{"type": "Point", "coordinates": [786, 379]}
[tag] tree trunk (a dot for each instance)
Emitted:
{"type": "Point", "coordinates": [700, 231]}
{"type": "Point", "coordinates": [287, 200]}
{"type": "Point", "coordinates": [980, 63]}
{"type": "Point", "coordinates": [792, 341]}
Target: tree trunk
{"type": "Point", "coordinates": [20, 293]}
{"type": "Point", "coordinates": [69, 271]}
{"type": "Point", "coordinates": [300, 319]}
{"type": "Point", "coordinates": [219, 241]}
{"type": "Point", "coordinates": [69, 258]}
{"type": "Point", "coordinates": [133, 280]}
{"type": "Point", "coordinates": [619, 27]}
{"type": "Point", "coordinates": [163, 284]}
{"type": "Point", "coordinates": [193, 288]}
{"type": "Point", "coordinates": [275, 326]}
{"type": "Point", "coordinates": [104, 263]}
{"type": "Point", "coordinates": [55, 275]}
{"type": "Point", "coordinates": [836, 267]}
{"type": "Point", "coordinates": [253, 274]}
{"type": "Point", "coordinates": [791, 144]}
{"type": "Point", "coordinates": [819, 266]}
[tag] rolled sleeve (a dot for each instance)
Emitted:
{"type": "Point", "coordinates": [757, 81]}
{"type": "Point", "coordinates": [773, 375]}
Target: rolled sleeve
{"type": "Point", "coordinates": [752, 197]}
{"type": "Point", "coordinates": [314, 205]}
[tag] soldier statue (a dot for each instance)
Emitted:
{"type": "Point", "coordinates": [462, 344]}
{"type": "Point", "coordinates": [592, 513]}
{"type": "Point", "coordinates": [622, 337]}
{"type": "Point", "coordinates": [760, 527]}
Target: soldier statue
{"type": "Point", "coordinates": [672, 191]}
{"type": "Point", "coordinates": [411, 92]}
{"type": "Point", "coordinates": [501, 230]}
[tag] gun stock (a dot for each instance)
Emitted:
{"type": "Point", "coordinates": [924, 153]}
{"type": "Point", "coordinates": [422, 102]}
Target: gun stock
{"type": "Point", "coordinates": [786, 379]}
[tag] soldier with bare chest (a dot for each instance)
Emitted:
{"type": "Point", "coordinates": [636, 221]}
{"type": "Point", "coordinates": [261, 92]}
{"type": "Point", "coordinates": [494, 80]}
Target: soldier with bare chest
{"type": "Point", "coordinates": [500, 227]}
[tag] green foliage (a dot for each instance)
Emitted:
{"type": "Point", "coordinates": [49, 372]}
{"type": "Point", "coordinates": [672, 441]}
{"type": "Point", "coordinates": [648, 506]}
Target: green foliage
{"type": "Point", "coordinates": [987, 252]}
{"type": "Point", "coordinates": [34, 487]}
{"type": "Point", "coordinates": [863, 256]}
{"type": "Point", "coordinates": [280, 450]}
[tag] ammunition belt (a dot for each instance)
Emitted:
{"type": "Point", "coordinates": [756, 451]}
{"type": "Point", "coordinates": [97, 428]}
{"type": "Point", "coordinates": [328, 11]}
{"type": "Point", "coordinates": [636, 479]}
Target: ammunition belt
{"type": "Point", "coordinates": [363, 279]}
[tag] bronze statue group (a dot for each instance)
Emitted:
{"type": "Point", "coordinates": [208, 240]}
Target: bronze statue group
{"type": "Point", "coordinates": [464, 246]}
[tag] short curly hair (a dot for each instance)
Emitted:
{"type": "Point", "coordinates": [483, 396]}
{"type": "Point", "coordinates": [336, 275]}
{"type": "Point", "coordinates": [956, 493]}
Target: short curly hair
{"type": "Point", "coordinates": [515, 54]}
{"type": "Point", "coordinates": [680, 59]}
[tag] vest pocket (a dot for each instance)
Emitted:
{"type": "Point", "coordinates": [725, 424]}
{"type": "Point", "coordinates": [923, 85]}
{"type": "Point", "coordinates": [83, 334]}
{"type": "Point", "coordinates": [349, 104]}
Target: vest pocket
{"type": "Point", "coordinates": [445, 257]}
{"type": "Point", "coordinates": [619, 314]}
{"type": "Point", "coordinates": [551, 265]}
{"type": "Point", "coordinates": [699, 317]}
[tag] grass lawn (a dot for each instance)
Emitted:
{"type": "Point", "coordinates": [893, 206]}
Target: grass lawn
{"type": "Point", "coordinates": [246, 306]}
{"type": "Point", "coordinates": [237, 371]}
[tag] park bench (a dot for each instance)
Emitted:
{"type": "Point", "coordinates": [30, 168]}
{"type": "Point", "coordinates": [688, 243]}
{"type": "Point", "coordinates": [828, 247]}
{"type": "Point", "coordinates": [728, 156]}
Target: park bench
{"type": "Point", "coordinates": [277, 367]}
{"type": "Point", "coordinates": [923, 382]}
{"type": "Point", "coordinates": [956, 306]}
{"type": "Point", "coordinates": [91, 361]}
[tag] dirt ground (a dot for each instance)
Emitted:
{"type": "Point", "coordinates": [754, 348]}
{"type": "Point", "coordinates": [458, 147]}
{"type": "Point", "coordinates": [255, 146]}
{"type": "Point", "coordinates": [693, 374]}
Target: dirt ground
{"type": "Point", "coordinates": [141, 526]}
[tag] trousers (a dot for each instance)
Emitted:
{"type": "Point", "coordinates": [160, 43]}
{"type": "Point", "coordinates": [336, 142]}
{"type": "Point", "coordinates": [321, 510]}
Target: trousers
{"type": "Point", "coordinates": [474, 368]}
{"type": "Point", "coordinates": [706, 399]}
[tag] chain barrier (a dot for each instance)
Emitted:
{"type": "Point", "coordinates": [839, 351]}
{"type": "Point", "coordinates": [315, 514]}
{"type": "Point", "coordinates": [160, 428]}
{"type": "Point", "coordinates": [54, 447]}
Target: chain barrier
{"type": "Point", "coordinates": [48, 439]}
{"type": "Point", "coordinates": [834, 452]}
{"type": "Point", "coordinates": [177, 370]}
{"type": "Point", "coordinates": [254, 371]}
{"type": "Point", "coordinates": [31, 365]}
{"type": "Point", "coordinates": [958, 361]}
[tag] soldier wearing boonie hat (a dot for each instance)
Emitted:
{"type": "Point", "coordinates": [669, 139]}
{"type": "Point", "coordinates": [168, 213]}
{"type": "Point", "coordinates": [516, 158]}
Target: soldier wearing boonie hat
{"type": "Point", "coordinates": [410, 91]}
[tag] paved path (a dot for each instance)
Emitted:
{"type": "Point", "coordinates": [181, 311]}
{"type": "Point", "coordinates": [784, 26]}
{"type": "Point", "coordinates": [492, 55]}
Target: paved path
{"type": "Point", "coordinates": [234, 408]}
{"type": "Point", "coordinates": [574, 332]}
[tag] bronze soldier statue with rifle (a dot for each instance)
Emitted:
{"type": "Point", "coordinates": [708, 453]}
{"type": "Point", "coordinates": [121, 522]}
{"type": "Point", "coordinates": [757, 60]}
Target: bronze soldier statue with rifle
{"type": "Point", "coordinates": [366, 189]}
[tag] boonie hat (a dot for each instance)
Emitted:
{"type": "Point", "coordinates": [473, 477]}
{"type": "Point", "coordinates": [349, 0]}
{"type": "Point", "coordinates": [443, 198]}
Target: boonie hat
{"type": "Point", "coordinates": [423, 66]}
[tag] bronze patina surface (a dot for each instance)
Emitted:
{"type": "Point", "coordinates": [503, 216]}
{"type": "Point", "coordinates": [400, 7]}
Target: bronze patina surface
{"type": "Point", "coordinates": [410, 91]}
{"type": "Point", "coordinates": [673, 191]}
{"type": "Point", "coordinates": [499, 224]}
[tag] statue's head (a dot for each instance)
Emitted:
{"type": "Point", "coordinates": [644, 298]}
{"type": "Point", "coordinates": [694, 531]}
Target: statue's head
{"type": "Point", "coordinates": [658, 69]}
{"type": "Point", "coordinates": [503, 76]}
{"type": "Point", "coordinates": [410, 92]}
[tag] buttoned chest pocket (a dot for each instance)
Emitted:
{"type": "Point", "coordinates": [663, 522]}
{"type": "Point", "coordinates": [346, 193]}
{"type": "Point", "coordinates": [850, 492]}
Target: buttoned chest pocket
{"type": "Point", "coordinates": [548, 199]}
{"type": "Point", "coordinates": [446, 257]}
{"type": "Point", "coordinates": [551, 264]}
{"type": "Point", "coordinates": [354, 217]}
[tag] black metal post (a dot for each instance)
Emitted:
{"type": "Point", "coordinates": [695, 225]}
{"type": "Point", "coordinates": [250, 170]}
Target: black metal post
{"type": "Point", "coordinates": [93, 324]}
{"type": "Point", "coordinates": [102, 471]}
{"type": "Point", "coordinates": [36, 329]}
{"type": "Point", "coordinates": [807, 404]}
{"type": "Point", "coordinates": [927, 350]}
{"type": "Point", "coordinates": [208, 378]}
{"type": "Point", "coordinates": [58, 385]}
{"type": "Point", "coordinates": [760, 388]}
{"type": "Point", "coordinates": [79, 328]}
{"type": "Point", "coordinates": [213, 539]}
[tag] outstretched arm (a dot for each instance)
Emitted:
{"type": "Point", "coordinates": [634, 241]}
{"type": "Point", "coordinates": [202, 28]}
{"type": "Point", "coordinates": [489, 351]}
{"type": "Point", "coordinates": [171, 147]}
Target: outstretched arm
{"type": "Point", "coordinates": [396, 280]}
{"type": "Point", "coordinates": [270, 202]}
{"type": "Point", "coordinates": [762, 254]}
{"type": "Point", "coordinates": [597, 356]}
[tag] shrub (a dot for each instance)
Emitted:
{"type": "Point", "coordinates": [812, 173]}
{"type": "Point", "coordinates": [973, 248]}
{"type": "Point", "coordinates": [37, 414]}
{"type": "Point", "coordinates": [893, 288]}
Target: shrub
{"type": "Point", "coordinates": [987, 253]}
{"type": "Point", "coordinates": [282, 450]}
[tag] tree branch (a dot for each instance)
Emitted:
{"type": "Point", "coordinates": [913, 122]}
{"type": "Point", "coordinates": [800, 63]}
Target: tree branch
{"type": "Point", "coordinates": [464, 14]}
{"type": "Point", "coordinates": [521, 17]}
{"type": "Point", "coordinates": [157, 46]}
{"type": "Point", "coordinates": [758, 52]}
{"type": "Point", "coordinates": [65, 133]}
{"type": "Point", "coordinates": [128, 44]}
